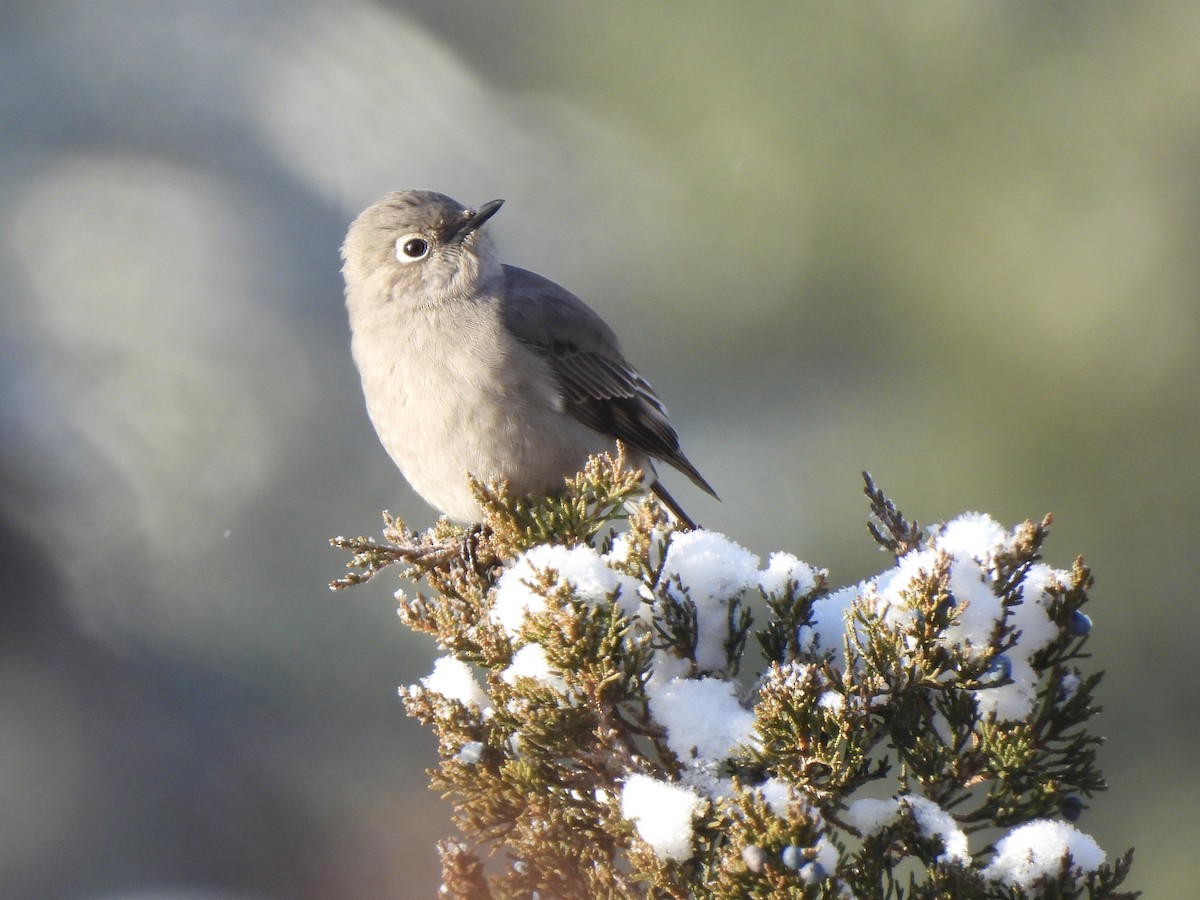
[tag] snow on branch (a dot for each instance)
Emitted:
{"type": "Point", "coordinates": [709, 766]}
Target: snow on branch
{"type": "Point", "coordinates": [603, 721]}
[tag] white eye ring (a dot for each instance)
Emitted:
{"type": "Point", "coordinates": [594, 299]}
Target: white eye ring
{"type": "Point", "coordinates": [411, 248]}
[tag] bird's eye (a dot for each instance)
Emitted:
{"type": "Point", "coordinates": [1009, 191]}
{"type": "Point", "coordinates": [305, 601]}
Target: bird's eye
{"type": "Point", "coordinates": [411, 247]}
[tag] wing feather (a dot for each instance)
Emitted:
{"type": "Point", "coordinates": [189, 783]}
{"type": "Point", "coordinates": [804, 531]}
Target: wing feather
{"type": "Point", "coordinates": [598, 387]}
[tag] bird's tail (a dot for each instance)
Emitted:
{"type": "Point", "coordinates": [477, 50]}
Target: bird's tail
{"type": "Point", "coordinates": [662, 496]}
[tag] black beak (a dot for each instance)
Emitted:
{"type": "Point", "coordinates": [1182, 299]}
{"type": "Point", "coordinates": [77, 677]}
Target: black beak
{"type": "Point", "coordinates": [473, 219]}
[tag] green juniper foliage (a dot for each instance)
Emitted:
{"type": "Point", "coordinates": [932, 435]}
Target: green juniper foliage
{"type": "Point", "coordinates": [920, 735]}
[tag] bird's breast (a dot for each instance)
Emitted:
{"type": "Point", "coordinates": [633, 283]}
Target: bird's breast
{"type": "Point", "coordinates": [451, 392]}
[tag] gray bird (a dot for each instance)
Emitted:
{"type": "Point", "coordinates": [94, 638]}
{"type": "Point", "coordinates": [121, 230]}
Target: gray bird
{"type": "Point", "coordinates": [472, 366]}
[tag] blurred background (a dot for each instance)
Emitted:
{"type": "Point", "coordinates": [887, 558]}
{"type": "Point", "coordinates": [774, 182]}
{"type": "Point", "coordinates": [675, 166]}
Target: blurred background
{"type": "Point", "coordinates": [952, 243]}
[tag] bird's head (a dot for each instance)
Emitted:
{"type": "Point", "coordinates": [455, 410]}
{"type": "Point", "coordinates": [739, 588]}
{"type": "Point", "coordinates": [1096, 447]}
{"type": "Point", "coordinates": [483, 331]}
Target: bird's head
{"type": "Point", "coordinates": [420, 247]}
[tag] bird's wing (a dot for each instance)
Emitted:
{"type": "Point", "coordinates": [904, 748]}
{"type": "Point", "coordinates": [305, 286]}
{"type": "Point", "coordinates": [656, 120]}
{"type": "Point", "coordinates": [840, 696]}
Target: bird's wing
{"type": "Point", "coordinates": [597, 385]}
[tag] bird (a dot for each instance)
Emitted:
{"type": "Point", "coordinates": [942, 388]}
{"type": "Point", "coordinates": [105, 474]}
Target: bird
{"type": "Point", "coordinates": [472, 366]}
